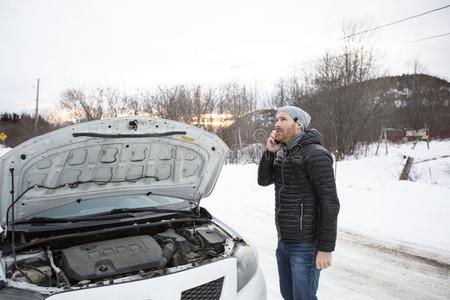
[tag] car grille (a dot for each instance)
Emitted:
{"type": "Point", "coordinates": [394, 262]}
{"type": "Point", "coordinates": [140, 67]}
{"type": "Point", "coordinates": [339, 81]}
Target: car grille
{"type": "Point", "coordinates": [208, 291]}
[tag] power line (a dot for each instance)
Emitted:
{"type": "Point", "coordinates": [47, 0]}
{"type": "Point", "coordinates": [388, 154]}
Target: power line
{"type": "Point", "coordinates": [423, 39]}
{"type": "Point", "coordinates": [395, 22]}
{"type": "Point", "coordinates": [386, 25]}
{"type": "Point", "coordinates": [373, 29]}
{"type": "Point", "coordinates": [383, 47]}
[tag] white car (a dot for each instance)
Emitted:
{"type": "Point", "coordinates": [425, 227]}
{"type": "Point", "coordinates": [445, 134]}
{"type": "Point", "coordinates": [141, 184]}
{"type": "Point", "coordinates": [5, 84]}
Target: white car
{"type": "Point", "coordinates": [111, 209]}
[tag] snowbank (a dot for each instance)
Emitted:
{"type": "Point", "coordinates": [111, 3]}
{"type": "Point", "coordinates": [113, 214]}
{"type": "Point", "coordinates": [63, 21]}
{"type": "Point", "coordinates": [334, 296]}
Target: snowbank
{"type": "Point", "coordinates": [414, 213]}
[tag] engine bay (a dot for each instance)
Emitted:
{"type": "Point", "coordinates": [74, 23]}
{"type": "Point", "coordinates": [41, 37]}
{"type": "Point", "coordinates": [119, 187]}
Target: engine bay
{"type": "Point", "coordinates": [171, 249]}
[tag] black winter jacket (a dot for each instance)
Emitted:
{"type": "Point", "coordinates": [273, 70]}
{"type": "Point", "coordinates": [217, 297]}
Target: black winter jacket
{"type": "Point", "coordinates": [306, 202]}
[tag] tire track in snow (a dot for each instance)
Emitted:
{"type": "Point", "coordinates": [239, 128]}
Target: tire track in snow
{"type": "Point", "coordinates": [364, 268]}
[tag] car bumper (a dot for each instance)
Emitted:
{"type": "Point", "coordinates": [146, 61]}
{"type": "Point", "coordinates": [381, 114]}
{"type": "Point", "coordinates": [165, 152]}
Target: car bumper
{"type": "Point", "coordinates": [254, 289]}
{"type": "Point", "coordinates": [170, 287]}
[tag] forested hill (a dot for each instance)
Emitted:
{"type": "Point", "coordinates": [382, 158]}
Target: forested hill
{"type": "Point", "coordinates": [357, 112]}
{"type": "Point", "coordinates": [345, 114]}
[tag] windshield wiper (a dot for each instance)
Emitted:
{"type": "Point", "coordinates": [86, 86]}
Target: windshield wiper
{"type": "Point", "coordinates": [47, 220]}
{"type": "Point", "coordinates": [115, 213]}
{"type": "Point", "coordinates": [145, 209]}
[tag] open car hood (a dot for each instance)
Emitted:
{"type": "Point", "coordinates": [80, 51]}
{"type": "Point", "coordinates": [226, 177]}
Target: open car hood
{"type": "Point", "coordinates": [129, 155]}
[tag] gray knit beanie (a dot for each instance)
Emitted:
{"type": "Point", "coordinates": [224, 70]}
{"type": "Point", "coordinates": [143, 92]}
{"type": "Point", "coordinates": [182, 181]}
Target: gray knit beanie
{"type": "Point", "coordinates": [299, 115]}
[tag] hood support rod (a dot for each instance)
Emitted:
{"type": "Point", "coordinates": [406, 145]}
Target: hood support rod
{"type": "Point", "coordinates": [13, 242]}
{"type": "Point", "coordinates": [12, 217]}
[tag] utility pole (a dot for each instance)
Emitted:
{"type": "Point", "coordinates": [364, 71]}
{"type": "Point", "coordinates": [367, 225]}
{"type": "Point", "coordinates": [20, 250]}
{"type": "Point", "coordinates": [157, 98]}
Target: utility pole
{"type": "Point", "coordinates": [36, 115]}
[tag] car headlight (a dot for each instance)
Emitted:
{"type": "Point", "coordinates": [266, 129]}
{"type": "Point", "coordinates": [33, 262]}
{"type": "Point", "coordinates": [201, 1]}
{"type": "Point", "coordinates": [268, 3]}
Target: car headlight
{"type": "Point", "coordinates": [247, 264]}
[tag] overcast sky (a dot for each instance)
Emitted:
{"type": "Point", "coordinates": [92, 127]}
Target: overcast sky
{"type": "Point", "coordinates": [136, 44]}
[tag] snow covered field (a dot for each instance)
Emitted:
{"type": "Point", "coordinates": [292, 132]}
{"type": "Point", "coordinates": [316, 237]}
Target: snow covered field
{"type": "Point", "coordinates": [411, 217]}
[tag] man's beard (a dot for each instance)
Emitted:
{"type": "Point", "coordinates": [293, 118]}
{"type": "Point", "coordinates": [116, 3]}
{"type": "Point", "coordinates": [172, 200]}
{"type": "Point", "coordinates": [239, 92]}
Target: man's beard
{"type": "Point", "coordinates": [285, 135]}
{"type": "Point", "coordinates": [282, 136]}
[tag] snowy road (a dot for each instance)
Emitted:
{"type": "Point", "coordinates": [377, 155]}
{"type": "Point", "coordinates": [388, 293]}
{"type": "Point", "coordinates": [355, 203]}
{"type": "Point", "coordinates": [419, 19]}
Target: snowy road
{"type": "Point", "coordinates": [367, 269]}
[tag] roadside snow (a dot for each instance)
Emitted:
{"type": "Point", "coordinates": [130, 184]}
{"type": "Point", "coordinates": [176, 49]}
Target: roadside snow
{"type": "Point", "coordinates": [375, 202]}
{"type": "Point", "coordinates": [412, 216]}
{"type": "Point", "coordinates": [3, 150]}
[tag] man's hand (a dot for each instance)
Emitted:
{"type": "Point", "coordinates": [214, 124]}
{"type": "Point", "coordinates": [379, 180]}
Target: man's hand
{"type": "Point", "coordinates": [271, 143]}
{"type": "Point", "coordinates": [323, 260]}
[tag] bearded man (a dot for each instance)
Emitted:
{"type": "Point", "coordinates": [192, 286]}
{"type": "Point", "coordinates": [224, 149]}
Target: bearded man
{"type": "Point", "coordinates": [306, 202]}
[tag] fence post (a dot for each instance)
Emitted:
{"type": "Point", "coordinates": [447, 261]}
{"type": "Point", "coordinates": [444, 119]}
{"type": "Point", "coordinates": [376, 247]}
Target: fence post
{"type": "Point", "coordinates": [407, 168]}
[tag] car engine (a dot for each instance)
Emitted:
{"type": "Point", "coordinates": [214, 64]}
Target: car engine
{"type": "Point", "coordinates": [119, 259]}
{"type": "Point", "coordinates": [110, 258]}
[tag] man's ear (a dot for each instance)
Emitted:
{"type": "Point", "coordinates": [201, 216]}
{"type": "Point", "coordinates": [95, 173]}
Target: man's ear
{"type": "Point", "coordinates": [298, 127]}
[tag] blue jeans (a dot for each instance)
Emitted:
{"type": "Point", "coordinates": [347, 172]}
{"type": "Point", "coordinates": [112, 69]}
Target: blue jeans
{"type": "Point", "coordinates": [299, 277]}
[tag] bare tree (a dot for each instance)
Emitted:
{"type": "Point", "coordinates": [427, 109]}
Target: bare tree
{"type": "Point", "coordinates": [280, 97]}
{"type": "Point", "coordinates": [204, 104]}
{"type": "Point", "coordinates": [175, 103]}
{"type": "Point", "coordinates": [341, 105]}
{"type": "Point", "coordinates": [80, 106]}
{"type": "Point", "coordinates": [117, 103]}
{"type": "Point", "coordinates": [415, 67]}
{"type": "Point", "coordinates": [146, 102]}
{"type": "Point", "coordinates": [238, 102]}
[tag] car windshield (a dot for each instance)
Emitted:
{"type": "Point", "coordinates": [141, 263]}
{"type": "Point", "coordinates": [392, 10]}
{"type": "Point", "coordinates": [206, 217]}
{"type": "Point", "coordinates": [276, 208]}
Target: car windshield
{"type": "Point", "coordinates": [80, 208]}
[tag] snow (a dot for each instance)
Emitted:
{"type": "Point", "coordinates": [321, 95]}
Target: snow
{"type": "Point", "coordinates": [412, 216]}
{"type": "Point", "coordinates": [374, 201]}
{"type": "Point", "coordinates": [3, 150]}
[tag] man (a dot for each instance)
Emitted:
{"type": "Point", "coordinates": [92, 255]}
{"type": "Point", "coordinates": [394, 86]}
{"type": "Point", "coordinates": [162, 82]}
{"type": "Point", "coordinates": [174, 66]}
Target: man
{"type": "Point", "coordinates": [306, 203]}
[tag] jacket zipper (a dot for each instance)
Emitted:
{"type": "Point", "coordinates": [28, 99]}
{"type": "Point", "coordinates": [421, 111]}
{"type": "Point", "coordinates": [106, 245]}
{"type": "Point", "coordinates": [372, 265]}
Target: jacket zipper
{"type": "Point", "coordinates": [279, 196]}
{"type": "Point", "coordinates": [301, 216]}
